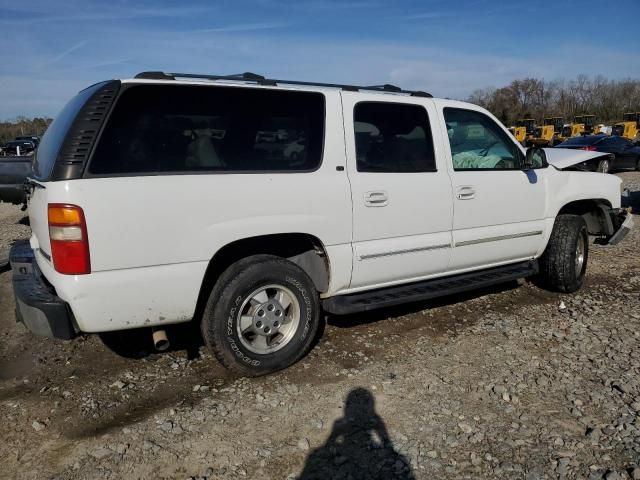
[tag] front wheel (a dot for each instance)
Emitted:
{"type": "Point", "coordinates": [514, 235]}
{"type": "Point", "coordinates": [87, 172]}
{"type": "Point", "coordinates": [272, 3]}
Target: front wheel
{"type": "Point", "coordinates": [262, 315]}
{"type": "Point", "coordinates": [564, 262]}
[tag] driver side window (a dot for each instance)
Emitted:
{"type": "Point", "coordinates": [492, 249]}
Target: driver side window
{"type": "Point", "coordinates": [478, 143]}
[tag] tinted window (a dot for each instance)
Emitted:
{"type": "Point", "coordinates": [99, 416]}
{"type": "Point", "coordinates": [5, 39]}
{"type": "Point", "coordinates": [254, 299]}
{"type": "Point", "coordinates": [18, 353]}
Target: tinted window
{"type": "Point", "coordinates": [57, 131]}
{"type": "Point", "coordinates": [615, 142]}
{"type": "Point", "coordinates": [478, 143]}
{"type": "Point", "coordinates": [393, 137]}
{"type": "Point", "coordinates": [579, 141]}
{"type": "Point", "coordinates": [169, 128]}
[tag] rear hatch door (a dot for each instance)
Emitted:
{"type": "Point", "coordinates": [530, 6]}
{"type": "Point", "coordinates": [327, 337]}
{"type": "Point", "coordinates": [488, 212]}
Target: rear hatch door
{"type": "Point", "coordinates": [63, 153]}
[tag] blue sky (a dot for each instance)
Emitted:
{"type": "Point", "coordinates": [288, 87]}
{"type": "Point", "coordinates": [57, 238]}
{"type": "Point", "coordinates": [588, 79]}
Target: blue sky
{"type": "Point", "coordinates": [50, 49]}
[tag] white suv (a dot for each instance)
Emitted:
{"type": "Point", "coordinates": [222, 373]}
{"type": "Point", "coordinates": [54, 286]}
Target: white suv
{"type": "Point", "coordinates": [173, 198]}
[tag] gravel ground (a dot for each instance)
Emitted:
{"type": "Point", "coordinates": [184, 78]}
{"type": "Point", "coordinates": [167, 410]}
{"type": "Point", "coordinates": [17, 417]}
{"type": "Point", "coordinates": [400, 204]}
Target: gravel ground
{"type": "Point", "coordinates": [511, 382]}
{"type": "Point", "coordinates": [12, 226]}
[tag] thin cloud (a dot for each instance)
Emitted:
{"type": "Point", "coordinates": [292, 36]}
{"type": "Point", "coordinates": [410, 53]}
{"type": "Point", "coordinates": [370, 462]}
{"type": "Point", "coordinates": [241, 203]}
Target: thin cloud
{"type": "Point", "coordinates": [430, 15]}
{"type": "Point", "coordinates": [243, 27]}
{"type": "Point", "coordinates": [63, 54]}
{"type": "Point", "coordinates": [106, 63]}
{"type": "Point", "coordinates": [100, 15]}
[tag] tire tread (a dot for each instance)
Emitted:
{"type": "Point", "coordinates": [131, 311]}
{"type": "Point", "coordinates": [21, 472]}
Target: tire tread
{"type": "Point", "coordinates": [557, 264]}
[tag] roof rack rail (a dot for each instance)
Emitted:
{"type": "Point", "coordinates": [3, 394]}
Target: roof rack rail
{"type": "Point", "coordinates": [260, 80]}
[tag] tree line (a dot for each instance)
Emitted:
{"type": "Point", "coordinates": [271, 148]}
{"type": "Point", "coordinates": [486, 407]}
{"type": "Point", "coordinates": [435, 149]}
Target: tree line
{"type": "Point", "coordinates": [11, 129]}
{"type": "Point", "coordinates": [527, 97]}
{"type": "Point", "coordinates": [538, 98]}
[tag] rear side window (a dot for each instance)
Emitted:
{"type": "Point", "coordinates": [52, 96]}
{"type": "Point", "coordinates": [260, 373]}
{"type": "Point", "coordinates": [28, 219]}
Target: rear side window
{"type": "Point", "coordinates": [393, 138]}
{"type": "Point", "coordinates": [169, 128]}
{"type": "Point", "coordinates": [615, 142]}
{"type": "Point", "coordinates": [56, 133]}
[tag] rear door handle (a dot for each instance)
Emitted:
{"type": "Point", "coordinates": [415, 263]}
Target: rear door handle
{"type": "Point", "coordinates": [376, 199]}
{"type": "Point", "coordinates": [466, 193]}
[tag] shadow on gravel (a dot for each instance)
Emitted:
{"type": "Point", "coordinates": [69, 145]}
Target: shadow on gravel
{"type": "Point", "coordinates": [137, 343]}
{"type": "Point", "coordinates": [359, 446]}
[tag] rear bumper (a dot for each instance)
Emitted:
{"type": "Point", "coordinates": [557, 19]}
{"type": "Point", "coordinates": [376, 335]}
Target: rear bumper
{"type": "Point", "coordinates": [37, 305]}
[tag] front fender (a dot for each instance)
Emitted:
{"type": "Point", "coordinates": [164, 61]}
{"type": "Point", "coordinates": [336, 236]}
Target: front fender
{"type": "Point", "coordinates": [566, 187]}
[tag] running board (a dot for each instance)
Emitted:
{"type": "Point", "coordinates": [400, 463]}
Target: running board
{"type": "Point", "coordinates": [439, 287]}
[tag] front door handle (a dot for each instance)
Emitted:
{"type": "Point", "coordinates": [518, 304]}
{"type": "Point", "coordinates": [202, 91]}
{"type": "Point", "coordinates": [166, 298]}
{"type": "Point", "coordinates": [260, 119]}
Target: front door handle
{"type": "Point", "coordinates": [466, 193]}
{"type": "Point", "coordinates": [376, 199]}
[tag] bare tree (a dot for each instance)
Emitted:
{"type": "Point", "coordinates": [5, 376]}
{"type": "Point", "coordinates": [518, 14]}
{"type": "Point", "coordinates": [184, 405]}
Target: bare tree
{"type": "Point", "coordinates": [607, 99]}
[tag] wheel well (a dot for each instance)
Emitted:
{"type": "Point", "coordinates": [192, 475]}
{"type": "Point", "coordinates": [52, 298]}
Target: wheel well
{"type": "Point", "coordinates": [304, 250]}
{"type": "Point", "coordinates": [594, 212]}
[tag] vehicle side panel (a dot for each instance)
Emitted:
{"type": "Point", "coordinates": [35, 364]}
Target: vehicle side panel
{"type": "Point", "coordinates": [149, 233]}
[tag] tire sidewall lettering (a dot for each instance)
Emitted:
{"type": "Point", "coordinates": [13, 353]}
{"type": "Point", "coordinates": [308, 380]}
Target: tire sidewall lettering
{"type": "Point", "coordinates": [306, 314]}
{"type": "Point", "coordinates": [231, 336]}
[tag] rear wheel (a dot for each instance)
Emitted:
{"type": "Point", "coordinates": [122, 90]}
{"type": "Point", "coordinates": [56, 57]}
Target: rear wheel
{"type": "Point", "coordinates": [262, 315]}
{"type": "Point", "coordinates": [564, 262]}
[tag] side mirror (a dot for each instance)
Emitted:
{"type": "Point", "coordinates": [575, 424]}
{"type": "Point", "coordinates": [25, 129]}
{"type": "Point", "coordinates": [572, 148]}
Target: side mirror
{"type": "Point", "coordinates": [535, 158]}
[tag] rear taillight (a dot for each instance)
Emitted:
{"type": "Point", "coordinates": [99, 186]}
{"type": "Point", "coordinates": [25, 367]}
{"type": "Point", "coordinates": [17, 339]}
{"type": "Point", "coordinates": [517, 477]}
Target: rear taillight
{"type": "Point", "coordinates": [69, 241]}
{"type": "Point", "coordinates": [590, 148]}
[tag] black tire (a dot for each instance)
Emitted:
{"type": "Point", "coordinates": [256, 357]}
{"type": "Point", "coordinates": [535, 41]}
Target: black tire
{"type": "Point", "coordinates": [559, 270]}
{"type": "Point", "coordinates": [638, 165]}
{"type": "Point", "coordinates": [229, 294]}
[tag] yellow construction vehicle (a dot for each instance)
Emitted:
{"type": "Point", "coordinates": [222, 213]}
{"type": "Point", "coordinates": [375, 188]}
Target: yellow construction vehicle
{"type": "Point", "coordinates": [574, 129]}
{"type": "Point", "coordinates": [542, 137]}
{"type": "Point", "coordinates": [547, 134]}
{"type": "Point", "coordinates": [589, 124]}
{"type": "Point", "coordinates": [629, 127]}
{"type": "Point", "coordinates": [524, 130]}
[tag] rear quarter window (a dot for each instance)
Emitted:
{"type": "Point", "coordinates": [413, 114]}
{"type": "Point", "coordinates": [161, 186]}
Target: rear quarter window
{"type": "Point", "coordinates": [156, 129]}
{"type": "Point", "coordinates": [55, 135]}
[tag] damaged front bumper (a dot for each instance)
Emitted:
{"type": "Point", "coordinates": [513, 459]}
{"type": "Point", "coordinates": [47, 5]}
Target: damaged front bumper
{"type": "Point", "coordinates": [622, 222]}
{"type": "Point", "coordinates": [625, 222]}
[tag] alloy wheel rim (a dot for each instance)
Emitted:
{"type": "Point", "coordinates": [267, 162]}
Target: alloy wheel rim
{"type": "Point", "coordinates": [580, 255]}
{"type": "Point", "coordinates": [268, 319]}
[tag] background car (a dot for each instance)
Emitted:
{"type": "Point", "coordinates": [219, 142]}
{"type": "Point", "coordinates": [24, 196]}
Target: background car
{"type": "Point", "coordinates": [30, 138]}
{"type": "Point", "coordinates": [27, 147]}
{"type": "Point", "coordinates": [626, 153]}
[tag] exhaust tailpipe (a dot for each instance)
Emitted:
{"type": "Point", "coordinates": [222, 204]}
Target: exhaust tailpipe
{"type": "Point", "coordinates": [160, 340]}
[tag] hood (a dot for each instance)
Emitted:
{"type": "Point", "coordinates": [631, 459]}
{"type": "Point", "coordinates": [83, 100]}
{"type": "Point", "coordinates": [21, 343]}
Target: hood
{"type": "Point", "coordinates": [562, 158]}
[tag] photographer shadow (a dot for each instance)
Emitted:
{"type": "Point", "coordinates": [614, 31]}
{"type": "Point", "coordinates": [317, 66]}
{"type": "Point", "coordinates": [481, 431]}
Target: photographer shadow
{"type": "Point", "coordinates": [359, 446]}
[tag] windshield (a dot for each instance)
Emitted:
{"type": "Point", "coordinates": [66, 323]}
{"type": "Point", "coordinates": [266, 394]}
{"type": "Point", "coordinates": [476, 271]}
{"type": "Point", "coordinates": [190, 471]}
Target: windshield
{"type": "Point", "coordinates": [56, 133]}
